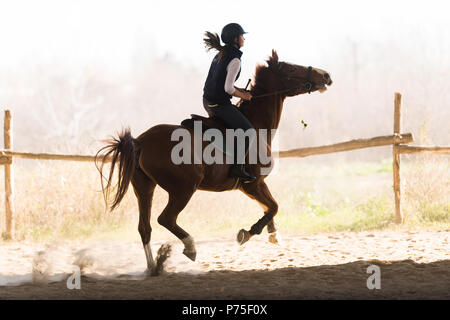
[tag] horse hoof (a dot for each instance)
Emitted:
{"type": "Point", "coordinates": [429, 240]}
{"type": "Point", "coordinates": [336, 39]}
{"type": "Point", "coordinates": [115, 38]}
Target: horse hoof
{"type": "Point", "coordinates": [191, 254]}
{"type": "Point", "coordinates": [243, 236]}
{"type": "Point", "coordinates": [273, 238]}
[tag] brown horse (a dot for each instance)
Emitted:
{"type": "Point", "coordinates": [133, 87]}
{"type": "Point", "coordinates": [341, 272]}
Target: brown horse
{"type": "Point", "coordinates": [146, 161]}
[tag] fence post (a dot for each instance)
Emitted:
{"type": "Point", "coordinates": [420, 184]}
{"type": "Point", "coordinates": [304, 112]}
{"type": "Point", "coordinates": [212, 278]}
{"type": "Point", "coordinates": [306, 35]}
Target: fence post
{"type": "Point", "coordinates": [9, 177]}
{"type": "Point", "coordinates": [396, 158]}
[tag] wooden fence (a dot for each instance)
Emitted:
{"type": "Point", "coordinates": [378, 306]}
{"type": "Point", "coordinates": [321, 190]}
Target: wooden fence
{"type": "Point", "coordinates": [398, 140]}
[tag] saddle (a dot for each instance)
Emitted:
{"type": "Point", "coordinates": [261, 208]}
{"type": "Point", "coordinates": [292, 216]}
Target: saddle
{"type": "Point", "coordinates": [207, 123]}
{"type": "Point", "coordinates": [211, 123]}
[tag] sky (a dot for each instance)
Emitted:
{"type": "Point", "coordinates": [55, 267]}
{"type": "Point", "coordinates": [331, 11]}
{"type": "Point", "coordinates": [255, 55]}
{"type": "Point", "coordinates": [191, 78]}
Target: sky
{"type": "Point", "coordinates": [109, 32]}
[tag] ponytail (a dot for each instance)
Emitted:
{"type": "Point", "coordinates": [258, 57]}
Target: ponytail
{"type": "Point", "coordinates": [212, 41]}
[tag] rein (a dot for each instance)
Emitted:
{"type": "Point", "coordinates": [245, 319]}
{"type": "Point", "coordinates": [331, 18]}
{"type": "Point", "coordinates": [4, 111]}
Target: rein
{"type": "Point", "coordinates": [307, 85]}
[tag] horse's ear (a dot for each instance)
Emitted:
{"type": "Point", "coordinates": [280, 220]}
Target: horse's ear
{"type": "Point", "coordinates": [273, 60]}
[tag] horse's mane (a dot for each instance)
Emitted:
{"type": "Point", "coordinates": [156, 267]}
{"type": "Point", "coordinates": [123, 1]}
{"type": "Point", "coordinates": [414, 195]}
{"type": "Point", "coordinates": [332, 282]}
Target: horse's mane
{"type": "Point", "coordinates": [260, 76]}
{"type": "Point", "coordinates": [259, 83]}
{"type": "Point", "coordinates": [262, 72]}
{"type": "Point", "coordinates": [261, 79]}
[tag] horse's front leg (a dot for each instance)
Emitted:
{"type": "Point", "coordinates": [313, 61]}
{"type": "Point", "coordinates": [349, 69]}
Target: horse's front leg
{"type": "Point", "coordinates": [260, 192]}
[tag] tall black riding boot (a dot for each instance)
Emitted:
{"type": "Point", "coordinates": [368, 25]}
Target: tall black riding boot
{"type": "Point", "coordinates": [238, 170]}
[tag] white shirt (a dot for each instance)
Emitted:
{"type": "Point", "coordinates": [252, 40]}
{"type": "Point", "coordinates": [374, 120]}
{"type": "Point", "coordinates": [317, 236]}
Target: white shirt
{"type": "Point", "coordinates": [233, 69]}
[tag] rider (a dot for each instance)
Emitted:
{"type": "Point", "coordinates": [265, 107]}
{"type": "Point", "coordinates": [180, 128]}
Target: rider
{"type": "Point", "coordinates": [219, 88]}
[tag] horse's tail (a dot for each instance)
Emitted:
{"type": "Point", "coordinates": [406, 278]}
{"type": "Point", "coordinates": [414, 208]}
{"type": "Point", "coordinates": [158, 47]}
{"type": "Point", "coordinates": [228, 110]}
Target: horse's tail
{"type": "Point", "coordinates": [120, 150]}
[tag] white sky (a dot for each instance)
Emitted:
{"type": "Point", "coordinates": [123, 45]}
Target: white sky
{"type": "Point", "coordinates": [107, 31]}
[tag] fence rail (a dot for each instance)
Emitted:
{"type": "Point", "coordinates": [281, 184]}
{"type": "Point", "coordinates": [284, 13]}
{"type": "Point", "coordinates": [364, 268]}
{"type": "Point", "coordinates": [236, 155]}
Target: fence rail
{"type": "Point", "coordinates": [347, 145]}
{"type": "Point", "coordinates": [416, 149]}
{"type": "Point", "coordinates": [398, 141]}
{"type": "Point", "coordinates": [7, 155]}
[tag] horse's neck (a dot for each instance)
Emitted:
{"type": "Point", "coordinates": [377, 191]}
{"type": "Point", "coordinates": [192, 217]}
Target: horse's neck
{"type": "Point", "coordinates": [265, 112]}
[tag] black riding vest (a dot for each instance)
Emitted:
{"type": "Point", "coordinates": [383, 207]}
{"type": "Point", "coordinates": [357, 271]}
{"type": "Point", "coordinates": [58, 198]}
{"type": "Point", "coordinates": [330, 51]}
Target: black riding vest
{"type": "Point", "coordinates": [214, 89]}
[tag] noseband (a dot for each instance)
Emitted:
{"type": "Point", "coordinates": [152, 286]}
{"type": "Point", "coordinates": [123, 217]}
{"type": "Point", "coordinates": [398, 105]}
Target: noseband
{"type": "Point", "coordinates": [308, 80]}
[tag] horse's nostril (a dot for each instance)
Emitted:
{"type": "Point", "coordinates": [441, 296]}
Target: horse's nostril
{"type": "Point", "coordinates": [326, 76]}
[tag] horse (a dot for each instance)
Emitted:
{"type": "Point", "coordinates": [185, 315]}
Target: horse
{"type": "Point", "coordinates": [146, 161]}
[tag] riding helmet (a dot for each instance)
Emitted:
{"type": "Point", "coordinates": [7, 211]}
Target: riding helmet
{"type": "Point", "coordinates": [231, 31]}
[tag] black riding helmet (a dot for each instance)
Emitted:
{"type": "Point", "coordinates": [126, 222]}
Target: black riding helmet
{"type": "Point", "coordinates": [231, 31]}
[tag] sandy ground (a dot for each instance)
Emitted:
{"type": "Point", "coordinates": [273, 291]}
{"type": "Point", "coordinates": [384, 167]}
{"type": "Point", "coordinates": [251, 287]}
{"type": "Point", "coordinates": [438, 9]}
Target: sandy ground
{"type": "Point", "coordinates": [414, 265]}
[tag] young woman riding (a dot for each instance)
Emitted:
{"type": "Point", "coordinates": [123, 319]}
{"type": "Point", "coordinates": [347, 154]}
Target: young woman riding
{"type": "Point", "coordinates": [219, 88]}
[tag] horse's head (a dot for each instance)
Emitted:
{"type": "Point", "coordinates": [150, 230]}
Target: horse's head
{"type": "Point", "coordinates": [298, 78]}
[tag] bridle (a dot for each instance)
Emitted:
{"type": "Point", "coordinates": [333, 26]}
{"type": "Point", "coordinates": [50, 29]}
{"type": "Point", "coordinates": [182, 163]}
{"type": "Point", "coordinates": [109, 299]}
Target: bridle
{"type": "Point", "coordinates": [307, 86]}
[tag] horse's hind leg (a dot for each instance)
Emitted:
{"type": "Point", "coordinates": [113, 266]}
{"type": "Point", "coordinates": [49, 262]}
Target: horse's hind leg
{"type": "Point", "coordinates": [168, 218]}
{"type": "Point", "coordinates": [143, 189]}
